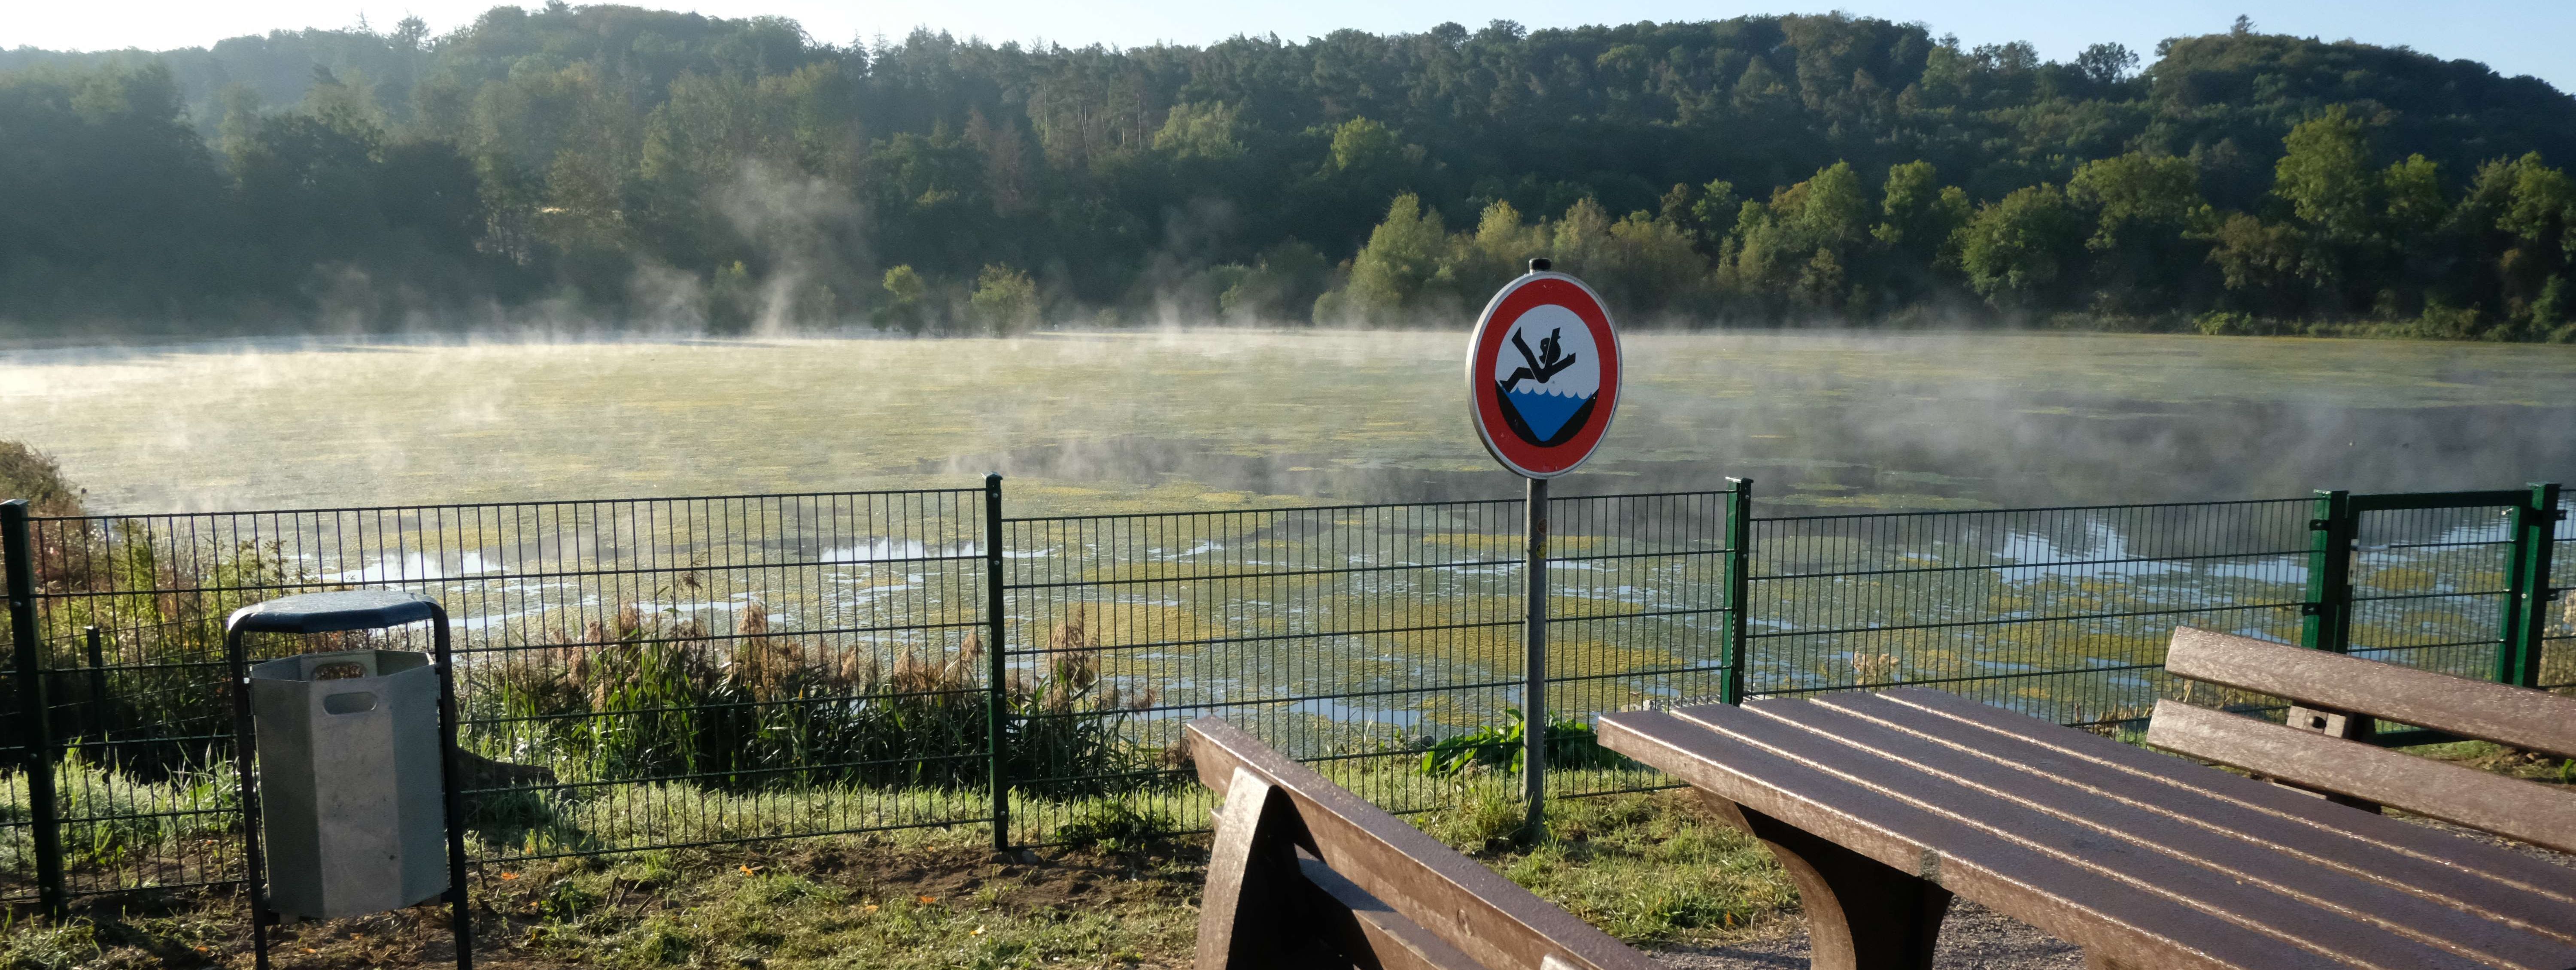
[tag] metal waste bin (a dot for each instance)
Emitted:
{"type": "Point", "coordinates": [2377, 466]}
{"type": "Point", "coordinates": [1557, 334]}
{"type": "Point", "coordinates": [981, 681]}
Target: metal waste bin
{"type": "Point", "coordinates": [349, 781]}
{"type": "Point", "coordinates": [357, 751]}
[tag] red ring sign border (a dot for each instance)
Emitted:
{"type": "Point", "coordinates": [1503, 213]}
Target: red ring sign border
{"type": "Point", "coordinates": [1542, 406]}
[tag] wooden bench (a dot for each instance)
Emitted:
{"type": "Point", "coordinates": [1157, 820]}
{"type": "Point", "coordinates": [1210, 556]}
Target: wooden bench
{"type": "Point", "coordinates": [2336, 703]}
{"type": "Point", "coordinates": [1883, 806]}
{"type": "Point", "coordinates": [1306, 875]}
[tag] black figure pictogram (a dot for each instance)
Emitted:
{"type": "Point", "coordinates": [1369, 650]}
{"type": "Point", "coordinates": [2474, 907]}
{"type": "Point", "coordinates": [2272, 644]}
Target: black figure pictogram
{"type": "Point", "coordinates": [1542, 365]}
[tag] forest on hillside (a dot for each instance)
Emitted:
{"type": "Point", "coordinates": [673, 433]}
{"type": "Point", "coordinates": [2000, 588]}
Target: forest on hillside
{"type": "Point", "coordinates": [616, 166]}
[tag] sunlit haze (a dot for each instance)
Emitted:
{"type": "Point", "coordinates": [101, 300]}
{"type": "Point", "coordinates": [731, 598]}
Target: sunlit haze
{"type": "Point", "coordinates": [2513, 36]}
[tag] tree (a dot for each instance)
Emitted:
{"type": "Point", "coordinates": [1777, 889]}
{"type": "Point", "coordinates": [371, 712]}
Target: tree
{"type": "Point", "coordinates": [2106, 64]}
{"type": "Point", "coordinates": [1802, 242]}
{"type": "Point", "coordinates": [2017, 251]}
{"type": "Point", "coordinates": [2147, 216]}
{"type": "Point", "coordinates": [2541, 218]}
{"type": "Point", "coordinates": [1919, 215]}
{"type": "Point", "coordinates": [1005, 301]}
{"type": "Point", "coordinates": [109, 203]}
{"type": "Point", "coordinates": [1206, 130]}
{"type": "Point", "coordinates": [601, 157]}
{"type": "Point", "coordinates": [1362, 145]}
{"type": "Point", "coordinates": [2326, 177]}
{"type": "Point", "coordinates": [2258, 261]}
{"type": "Point", "coordinates": [1389, 275]}
{"type": "Point", "coordinates": [1498, 249]}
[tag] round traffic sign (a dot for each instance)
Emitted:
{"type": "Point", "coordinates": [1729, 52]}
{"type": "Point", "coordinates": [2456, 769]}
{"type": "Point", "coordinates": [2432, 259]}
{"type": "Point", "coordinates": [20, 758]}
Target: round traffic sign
{"type": "Point", "coordinates": [1543, 372]}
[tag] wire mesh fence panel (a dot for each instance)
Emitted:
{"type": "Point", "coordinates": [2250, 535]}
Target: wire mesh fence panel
{"type": "Point", "coordinates": [17, 824]}
{"type": "Point", "coordinates": [1344, 636]}
{"type": "Point", "coordinates": [674, 672]}
{"type": "Point", "coordinates": [631, 674]}
{"type": "Point", "coordinates": [146, 794]}
{"type": "Point", "coordinates": [1637, 616]}
{"type": "Point", "coordinates": [2430, 588]}
{"type": "Point", "coordinates": [1383, 644]}
{"type": "Point", "coordinates": [2061, 614]}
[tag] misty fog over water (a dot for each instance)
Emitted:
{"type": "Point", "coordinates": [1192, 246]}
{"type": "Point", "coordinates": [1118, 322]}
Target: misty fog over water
{"type": "Point", "coordinates": [1823, 421]}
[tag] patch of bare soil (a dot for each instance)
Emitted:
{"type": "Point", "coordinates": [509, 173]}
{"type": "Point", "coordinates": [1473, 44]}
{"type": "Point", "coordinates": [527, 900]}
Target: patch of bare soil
{"type": "Point", "coordinates": [511, 901]}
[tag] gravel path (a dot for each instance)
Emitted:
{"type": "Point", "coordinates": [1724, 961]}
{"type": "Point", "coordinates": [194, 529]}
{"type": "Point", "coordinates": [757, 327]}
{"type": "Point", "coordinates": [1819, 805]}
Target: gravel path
{"type": "Point", "coordinates": [1972, 938]}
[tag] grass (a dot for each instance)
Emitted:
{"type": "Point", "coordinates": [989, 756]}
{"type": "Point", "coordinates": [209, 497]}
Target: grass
{"type": "Point", "coordinates": [1648, 868]}
{"type": "Point", "coordinates": [2503, 760]}
{"type": "Point", "coordinates": [1652, 869]}
{"type": "Point", "coordinates": [140, 820]}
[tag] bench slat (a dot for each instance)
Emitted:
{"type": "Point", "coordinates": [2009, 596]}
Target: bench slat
{"type": "Point", "coordinates": [2502, 713]}
{"type": "Point", "coordinates": [2509, 807]}
{"type": "Point", "coordinates": [2247, 860]}
{"type": "Point", "coordinates": [2114, 859]}
{"type": "Point", "coordinates": [1397, 942]}
{"type": "Point", "coordinates": [2517, 870]}
{"type": "Point", "coordinates": [2077, 905]}
{"type": "Point", "coordinates": [1491, 919]}
{"type": "Point", "coordinates": [2207, 809]}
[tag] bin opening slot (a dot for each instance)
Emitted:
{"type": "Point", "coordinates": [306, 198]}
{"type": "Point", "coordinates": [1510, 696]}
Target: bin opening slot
{"type": "Point", "coordinates": [353, 702]}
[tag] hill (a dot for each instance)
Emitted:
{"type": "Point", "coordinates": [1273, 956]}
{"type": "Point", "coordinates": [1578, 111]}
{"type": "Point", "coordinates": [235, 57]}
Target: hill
{"type": "Point", "coordinates": [620, 163]}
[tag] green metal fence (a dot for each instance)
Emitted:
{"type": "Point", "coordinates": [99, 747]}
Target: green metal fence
{"type": "Point", "coordinates": [1352, 637]}
{"type": "Point", "coordinates": [637, 674]}
{"type": "Point", "coordinates": [673, 672]}
{"type": "Point", "coordinates": [2059, 613]}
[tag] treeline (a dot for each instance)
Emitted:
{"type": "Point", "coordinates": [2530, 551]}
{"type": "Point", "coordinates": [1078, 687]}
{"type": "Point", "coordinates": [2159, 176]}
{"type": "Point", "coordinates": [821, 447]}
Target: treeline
{"type": "Point", "coordinates": [2126, 241]}
{"type": "Point", "coordinates": [615, 164]}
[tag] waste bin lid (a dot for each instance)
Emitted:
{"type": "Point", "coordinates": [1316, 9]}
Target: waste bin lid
{"type": "Point", "coordinates": [364, 609]}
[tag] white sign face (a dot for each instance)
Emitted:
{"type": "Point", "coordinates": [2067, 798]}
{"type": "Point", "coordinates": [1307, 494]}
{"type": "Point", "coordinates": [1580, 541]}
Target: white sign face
{"type": "Point", "coordinates": [1549, 371]}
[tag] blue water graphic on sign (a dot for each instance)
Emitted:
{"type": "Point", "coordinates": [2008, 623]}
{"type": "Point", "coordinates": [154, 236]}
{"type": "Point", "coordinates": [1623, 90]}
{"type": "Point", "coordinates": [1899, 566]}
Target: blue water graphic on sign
{"type": "Point", "coordinates": [1545, 413]}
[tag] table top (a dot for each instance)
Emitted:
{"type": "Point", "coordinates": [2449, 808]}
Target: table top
{"type": "Point", "coordinates": [2144, 855]}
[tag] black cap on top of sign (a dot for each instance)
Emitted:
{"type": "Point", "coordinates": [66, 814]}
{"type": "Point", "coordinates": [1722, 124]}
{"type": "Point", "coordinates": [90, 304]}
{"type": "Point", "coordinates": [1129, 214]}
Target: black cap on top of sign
{"type": "Point", "coordinates": [1539, 264]}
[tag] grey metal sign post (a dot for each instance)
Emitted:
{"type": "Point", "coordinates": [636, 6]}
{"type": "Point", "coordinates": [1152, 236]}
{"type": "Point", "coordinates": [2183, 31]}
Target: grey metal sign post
{"type": "Point", "coordinates": [1534, 666]}
{"type": "Point", "coordinates": [340, 770]}
{"type": "Point", "coordinates": [1543, 372]}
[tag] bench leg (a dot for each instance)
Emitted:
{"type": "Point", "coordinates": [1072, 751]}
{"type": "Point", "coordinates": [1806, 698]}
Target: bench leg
{"type": "Point", "coordinates": [1249, 906]}
{"type": "Point", "coordinates": [1861, 914]}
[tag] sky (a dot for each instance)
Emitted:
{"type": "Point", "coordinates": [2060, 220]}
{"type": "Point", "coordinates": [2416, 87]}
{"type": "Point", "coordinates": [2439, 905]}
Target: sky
{"type": "Point", "coordinates": [2512, 36]}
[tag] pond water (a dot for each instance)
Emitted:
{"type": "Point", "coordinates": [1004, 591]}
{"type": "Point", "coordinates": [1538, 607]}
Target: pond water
{"type": "Point", "coordinates": [1144, 420]}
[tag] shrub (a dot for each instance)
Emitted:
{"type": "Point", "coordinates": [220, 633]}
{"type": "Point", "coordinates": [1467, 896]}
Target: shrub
{"type": "Point", "coordinates": [1571, 744]}
{"type": "Point", "coordinates": [35, 476]}
{"type": "Point", "coordinates": [647, 696]}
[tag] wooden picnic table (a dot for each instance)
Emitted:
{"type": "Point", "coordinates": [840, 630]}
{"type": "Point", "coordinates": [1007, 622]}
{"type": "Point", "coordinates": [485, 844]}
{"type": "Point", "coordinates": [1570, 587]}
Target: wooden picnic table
{"type": "Point", "coordinates": [1882, 806]}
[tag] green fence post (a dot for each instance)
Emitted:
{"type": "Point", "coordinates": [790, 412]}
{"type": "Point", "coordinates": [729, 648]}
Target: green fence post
{"type": "Point", "coordinates": [995, 696]}
{"type": "Point", "coordinates": [36, 731]}
{"type": "Point", "coordinates": [1739, 562]}
{"type": "Point", "coordinates": [2327, 614]}
{"type": "Point", "coordinates": [2527, 592]}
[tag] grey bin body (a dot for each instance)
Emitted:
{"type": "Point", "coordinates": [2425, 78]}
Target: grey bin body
{"type": "Point", "coordinates": [349, 781]}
